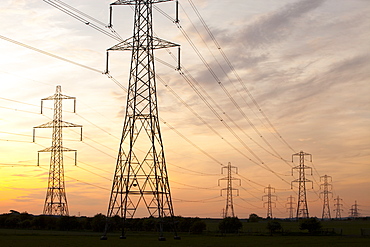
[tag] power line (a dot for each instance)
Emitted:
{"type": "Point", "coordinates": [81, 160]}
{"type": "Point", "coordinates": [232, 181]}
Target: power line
{"type": "Point", "coordinates": [219, 48]}
{"type": "Point", "coordinates": [113, 79]}
{"type": "Point", "coordinates": [275, 153]}
{"type": "Point", "coordinates": [38, 50]}
{"type": "Point", "coordinates": [79, 180]}
{"type": "Point", "coordinates": [48, 54]}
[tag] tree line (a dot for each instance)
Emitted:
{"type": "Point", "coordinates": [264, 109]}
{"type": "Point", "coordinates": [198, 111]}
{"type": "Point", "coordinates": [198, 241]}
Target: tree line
{"type": "Point", "coordinates": [97, 223]}
{"type": "Point", "coordinates": [16, 220]}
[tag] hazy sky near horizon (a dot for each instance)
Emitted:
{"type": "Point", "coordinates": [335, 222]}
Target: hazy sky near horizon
{"type": "Point", "coordinates": [306, 64]}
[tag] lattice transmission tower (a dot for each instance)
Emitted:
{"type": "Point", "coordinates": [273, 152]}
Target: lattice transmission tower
{"type": "Point", "coordinates": [290, 203]}
{"type": "Point", "coordinates": [353, 211]}
{"type": "Point", "coordinates": [269, 202]}
{"type": "Point", "coordinates": [229, 211]}
{"type": "Point", "coordinates": [338, 208]}
{"type": "Point", "coordinates": [56, 199]}
{"type": "Point", "coordinates": [326, 187]}
{"type": "Point", "coordinates": [140, 176]}
{"type": "Point", "coordinates": [302, 207]}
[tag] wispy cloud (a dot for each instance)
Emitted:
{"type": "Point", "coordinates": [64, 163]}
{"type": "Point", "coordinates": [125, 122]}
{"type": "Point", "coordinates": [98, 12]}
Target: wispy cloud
{"type": "Point", "coordinates": [275, 26]}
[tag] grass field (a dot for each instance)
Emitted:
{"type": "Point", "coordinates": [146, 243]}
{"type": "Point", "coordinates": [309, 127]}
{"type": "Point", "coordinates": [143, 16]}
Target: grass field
{"type": "Point", "coordinates": [15, 238]}
{"type": "Point", "coordinates": [254, 234]}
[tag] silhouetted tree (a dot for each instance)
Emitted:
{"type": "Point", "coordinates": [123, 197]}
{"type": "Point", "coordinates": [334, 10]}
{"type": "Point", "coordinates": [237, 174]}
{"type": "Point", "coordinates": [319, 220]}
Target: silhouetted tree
{"type": "Point", "coordinates": [254, 218]}
{"type": "Point", "coordinates": [313, 225]}
{"type": "Point", "coordinates": [98, 223]}
{"type": "Point", "coordinates": [230, 225]}
{"type": "Point", "coordinates": [273, 226]}
{"type": "Point", "coordinates": [198, 227]}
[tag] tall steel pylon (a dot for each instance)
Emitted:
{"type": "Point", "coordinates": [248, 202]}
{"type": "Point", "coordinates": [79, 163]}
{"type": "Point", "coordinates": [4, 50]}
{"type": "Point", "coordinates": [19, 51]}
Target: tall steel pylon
{"type": "Point", "coordinates": [56, 199]}
{"type": "Point", "coordinates": [229, 211]}
{"type": "Point", "coordinates": [141, 177]}
{"type": "Point", "coordinates": [353, 211]}
{"type": "Point", "coordinates": [269, 202]}
{"type": "Point", "coordinates": [290, 208]}
{"type": "Point", "coordinates": [326, 187]}
{"type": "Point", "coordinates": [302, 208]}
{"type": "Point", "coordinates": [338, 208]}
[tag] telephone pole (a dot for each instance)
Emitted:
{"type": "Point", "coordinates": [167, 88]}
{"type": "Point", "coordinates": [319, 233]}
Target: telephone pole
{"type": "Point", "coordinates": [56, 199]}
{"type": "Point", "coordinates": [338, 208]}
{"type": "Point", "coordinates": [269, 200]}
{"type": "Point", "coordinates": [353, 212]}
{"type": "Point", "coordinates": [141, 177]}
{"type": "Point", "coordinates": [302, 208]}
{"type": "Point", "coordinates": [290, 208]}
{"type": "Point", "coordinates": [326, 187]}
{"type": "Point", "coordinates": [229, 212]}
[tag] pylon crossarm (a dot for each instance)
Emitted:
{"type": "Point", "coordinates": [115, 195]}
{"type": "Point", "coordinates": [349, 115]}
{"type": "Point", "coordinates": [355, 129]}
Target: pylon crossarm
{"type": "Point", "coordinates": [63, 149]}
{"type": "Point", "coordinates": [45, 125]}
{"type": "Point", "coordinates": [70, 125]}
{"type": "Point", "coordinates": [134, 2]}
{"type": "Point", "coordinates": [130, 44]}
{"type": "Point", "coordinates": [58, 96]}
{"type": "Point", "coordinates": [62, 124]}
{"type": "Point", "coordinates": [223, 190]}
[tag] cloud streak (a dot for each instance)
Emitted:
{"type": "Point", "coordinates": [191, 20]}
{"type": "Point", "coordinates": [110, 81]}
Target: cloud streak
{"type": "Point", "coordinates": [275, 26]}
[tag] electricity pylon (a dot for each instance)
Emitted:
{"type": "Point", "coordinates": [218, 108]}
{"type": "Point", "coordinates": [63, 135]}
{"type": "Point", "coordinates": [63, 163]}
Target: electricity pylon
{"type": "Point", "coordinates": [290, 208]}
{"type": "Point", "coordinates": [269, 200]}
{"type": "Point", "coordinates": [229, 212]}
{"type": "Point", "coordinates": [302, 208]}
{"type": "Point", "coordinates": [353, 212]}
{"type": "Point", "coordinates": [56, 199]}
{"type": "Point", "coordinates": [326, 187]}
{"type": "Point", "coordinates": [338, 208]}
{"type": "Point", "coordinates": [140, 177]}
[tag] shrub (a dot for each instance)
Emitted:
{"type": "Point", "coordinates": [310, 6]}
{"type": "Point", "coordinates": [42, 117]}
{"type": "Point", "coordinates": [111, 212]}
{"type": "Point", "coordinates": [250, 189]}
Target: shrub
{"type": "Point", "coordinates": [198, 227]}
{"type": "Point", "coordinates": [230, 225]}
{"type": "Point", "coordinates": [313, 225]}
{"type": "Point", "coordinates": [273, 226]}
{"type": "Point", "coordinates": [254, 218]}
{"type": "Point", "coordinates": [98, 223]}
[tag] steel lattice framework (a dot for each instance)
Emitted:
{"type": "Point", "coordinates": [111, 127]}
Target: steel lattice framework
{"type": "Point", "coordinates": [338, 208]}
{"type": "Point", "coordinates": [229, 212]}
{"type": "Point", "coordinates": [141, 177]}
{"type": "Point", "coordinates": [56, 200]}
{"type": "Point", "coordinates": [269, 202]}
{"type": "Point", "coordinates": [302, 208]}
{"type": "Point", "coordinates": [353, 211]}
{"type": "Point", "coordinates": [326, 187]}
{"type": "Point", "coordinates": [290, 208]}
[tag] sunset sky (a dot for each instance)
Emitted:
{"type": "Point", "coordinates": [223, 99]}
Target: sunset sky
{"type": "Point", "coordinates": [304, 67]}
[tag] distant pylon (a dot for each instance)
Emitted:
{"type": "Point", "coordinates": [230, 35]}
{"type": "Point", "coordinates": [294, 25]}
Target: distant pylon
{"type": "Point", "coordinates": [290, 208]}
{"type": "Point", "coordinates": [302, 208]}
{"type": "Point", "coordinates": [269, 200]}
{"type": "Point", "coordinates": [56, 199]}
{"type": "Point", "coordinates": [326, 187]}
{"type": "Point", "coordinates": [140, 176]}
{"type": "Point", "coordinates": [229, 212]}
{"type": "Point", "coordinates": [338, 208]}
{"type": "Point", "coordinates": [353, 212]}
